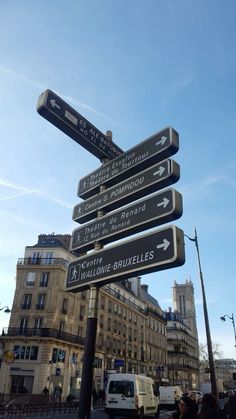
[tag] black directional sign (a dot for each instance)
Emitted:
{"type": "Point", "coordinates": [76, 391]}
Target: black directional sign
{"type": "Point", "coordinates": [72, 123]}
{"type": "Point", "coordinates": [151, 151]}
{"type": "Point", "coordinates": [150, 180]}
{"type": "Point", "coordinates": [147, 213]}
{"type": "Point", "coordinates": [152, 252]}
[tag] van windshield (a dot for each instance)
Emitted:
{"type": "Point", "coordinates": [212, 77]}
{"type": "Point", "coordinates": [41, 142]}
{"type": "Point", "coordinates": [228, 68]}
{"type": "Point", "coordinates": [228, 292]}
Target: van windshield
{"type": "Point", "coordinates": [122, 387]}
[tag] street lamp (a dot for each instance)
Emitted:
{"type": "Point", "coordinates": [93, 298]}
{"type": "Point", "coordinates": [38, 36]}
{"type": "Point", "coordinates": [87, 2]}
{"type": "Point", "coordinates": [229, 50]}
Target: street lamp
{"type": "Point", "coordinates": [207, 327]}
{"type": "Point", "coordinates": [7, 310]}
{"type": "Point", "coordinates": [232, 319]}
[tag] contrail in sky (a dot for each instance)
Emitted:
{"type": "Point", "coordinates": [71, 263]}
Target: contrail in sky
{"type": "Point", "coordinates": [37, 192]}
{"type": "Point", "coordinates": [65, 97]}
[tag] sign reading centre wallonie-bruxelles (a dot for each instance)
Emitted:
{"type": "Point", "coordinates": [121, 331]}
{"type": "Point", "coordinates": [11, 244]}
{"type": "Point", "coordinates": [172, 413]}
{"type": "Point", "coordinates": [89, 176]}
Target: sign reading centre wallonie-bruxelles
{"type": "Point", "coordinates": [72, 123]}
{"type": "Point", "coordinates": [158, 147]}
{"type": "Point", "coordinates": [152, 252]}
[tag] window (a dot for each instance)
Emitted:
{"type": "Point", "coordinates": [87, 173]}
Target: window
{"type": "Point", "coordinates": [64, 306]}
{"type": "Point", "coordinates": [37, 326]}
{"type": "Point", "coordinates": [30, 280]}
{"type": "Point", "coordinates": [58, 355]}
{"type": "Point", "coordinates": [122, 387]}
{"type": "Point", "coordinates": [23, 326]}
{"type": "Point", "coordinates": [26, 302]}
{"type": "Point", "coordinates": [101, 321]}
{"type": "Point", "coordinates": [109, 306]}
{"type": "Point", "coordinates": [26, 352]}
{"type": "Point", "coordinates": [48, 258]}
{"type": "Point", "coordinates": [102, 303]}
{"type": "Point", "coordinates": [41, 302]}
{"type": "Point", "coordinates": [83, 295]}
{"type": "Point", "coordinates": [35, 259]}
{"type": "Point", "coordinates": [62, 326]}
{"type": "Point", "coordinates": [44, 279]}
{"type": "Point", "coordinates": [97, 362]}
{"type": "Point", "coordinates": [81, 313]}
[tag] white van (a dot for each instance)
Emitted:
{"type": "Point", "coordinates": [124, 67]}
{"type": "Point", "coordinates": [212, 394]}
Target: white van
{"type": "Point", "coordinates": [169, 395]}
{"type": "Point", "coordinates": [130, 395]}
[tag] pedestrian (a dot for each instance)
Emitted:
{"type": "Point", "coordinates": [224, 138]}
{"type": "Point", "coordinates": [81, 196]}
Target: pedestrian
{"type": "Point", "coordinates": [229, 410]}
{"type": "Point", "coordinates": [193, 397]}
{"type": "Point", "coordinates": [95, 397]}
{"type": "Point", "coordinates": [59, 393]}
{"type": "Point", "coordinates": [210, 408]}
{"type": "Point", "coordinates": [45, 391]}
{"type": "Point", "coordinates": [185, 409]}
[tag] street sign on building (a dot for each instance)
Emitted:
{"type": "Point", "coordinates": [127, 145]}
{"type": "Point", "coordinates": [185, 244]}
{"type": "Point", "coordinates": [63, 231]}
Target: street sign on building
{"type": "Point", "coordinates": [158, 147]}
{"type": "Point", "coordinates": [147, 213]}
{"type": "Point", "coordinates": [152, 252]}
{"type": "Point", "coordinates": [150, 180]}
{"type": "Point", "coordinates": [72, 123]}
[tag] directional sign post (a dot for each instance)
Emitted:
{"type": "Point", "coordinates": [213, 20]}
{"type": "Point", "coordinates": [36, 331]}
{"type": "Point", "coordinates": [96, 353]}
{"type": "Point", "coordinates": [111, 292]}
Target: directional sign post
{"type": "Point", "coordinates": [126, 177]}
{"type": "Point", "coordinates": [149, 212]}
{"type": "Point", "coordinates": [151, 151]}
{"type": "Point", "coordinates": [153, 252]}
{"type": "Point", "coordinates": [72, 123]}
{"type": "Point", "coordinates": [150, 180]}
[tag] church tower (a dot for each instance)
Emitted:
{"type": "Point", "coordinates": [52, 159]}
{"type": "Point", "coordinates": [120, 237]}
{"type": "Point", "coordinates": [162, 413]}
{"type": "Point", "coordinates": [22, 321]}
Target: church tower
{"type": "Point", "coordinates": [183, 299]}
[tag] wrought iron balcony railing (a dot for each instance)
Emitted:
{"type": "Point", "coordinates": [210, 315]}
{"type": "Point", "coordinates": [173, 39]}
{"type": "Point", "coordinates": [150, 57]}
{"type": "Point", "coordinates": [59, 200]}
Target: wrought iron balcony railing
{"type": "Point", "coordinates": [42, 261]}
{"type": "Point", "coordinates": [42, 333]}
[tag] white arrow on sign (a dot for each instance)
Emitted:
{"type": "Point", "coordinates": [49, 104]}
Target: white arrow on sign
{"type": "Point", "coordinates": [160, 171]}
{"type": "Point", "coordinates": [164, 245]}
{"type": "Point", "coordinates": [162, 140]}
{"type": "Point", "coordinates": [54, 104]}
{"type": "Point", "coordinates": [163, 203]}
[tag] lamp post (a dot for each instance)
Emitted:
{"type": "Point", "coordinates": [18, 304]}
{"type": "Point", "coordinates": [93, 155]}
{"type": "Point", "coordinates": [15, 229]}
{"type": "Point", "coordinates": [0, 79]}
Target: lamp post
{"type": "Point", "coordinates": [7, 310]}
{"type": "Point", "coordinates": [207, 327]}
{"type": "Point", "coordinates": [233, 323]}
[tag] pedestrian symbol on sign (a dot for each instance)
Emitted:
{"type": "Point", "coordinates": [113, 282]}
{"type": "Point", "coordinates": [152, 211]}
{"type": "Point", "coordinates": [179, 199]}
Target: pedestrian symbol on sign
{"type": "Point", "coordinates": [74, 274]}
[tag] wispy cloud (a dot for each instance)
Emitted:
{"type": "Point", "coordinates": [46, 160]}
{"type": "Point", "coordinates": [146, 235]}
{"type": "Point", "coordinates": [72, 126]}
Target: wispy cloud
{"type": "Point", "coordinates": [37, 192]}
{"type": "Point", "coordinates": [178, 85]}
{"type": "Point", "coordinates": [34, 191]}
{"type": "Point", "coordinates": [65, 97]}
{"type": "Point", "coordinates": [224, 175]}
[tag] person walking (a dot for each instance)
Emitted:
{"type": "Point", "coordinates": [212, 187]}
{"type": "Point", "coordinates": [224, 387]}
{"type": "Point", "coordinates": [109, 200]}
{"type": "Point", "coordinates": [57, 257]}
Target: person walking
{"type": "Point", "coordinates": [229, 410]}
{"type": "Point", "coordinates": [185, 409]}
{"type": "Point", "coordinates": [210, 408]}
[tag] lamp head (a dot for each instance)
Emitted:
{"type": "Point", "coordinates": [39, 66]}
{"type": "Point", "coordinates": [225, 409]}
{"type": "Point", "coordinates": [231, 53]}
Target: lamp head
{"type": "Point", "coordinates": [222, 318]}
{"type": "Point", "coordinates": [7, 310]}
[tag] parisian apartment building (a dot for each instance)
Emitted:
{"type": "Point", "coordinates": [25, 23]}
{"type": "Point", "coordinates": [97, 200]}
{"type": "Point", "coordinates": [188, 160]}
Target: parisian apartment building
{"type": "Point", "coordinates": [43, 345]}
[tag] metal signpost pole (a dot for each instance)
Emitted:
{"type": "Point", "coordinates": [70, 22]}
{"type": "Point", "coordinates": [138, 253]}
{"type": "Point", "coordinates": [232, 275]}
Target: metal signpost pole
{"type": "Point", "coordinates": [89, 353]}
{"type": "Point", "coordinates": [208, 333]}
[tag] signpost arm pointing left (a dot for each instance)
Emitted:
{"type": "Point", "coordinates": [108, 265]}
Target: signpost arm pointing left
{"type": "Point", "coordinates": [72, 123]}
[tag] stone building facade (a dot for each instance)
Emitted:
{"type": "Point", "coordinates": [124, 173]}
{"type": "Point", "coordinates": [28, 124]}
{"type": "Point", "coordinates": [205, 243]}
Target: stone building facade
{"type": "Point", "coordinates": [44, 343]}
{"type": "Point", "coordinates": [182, 338]}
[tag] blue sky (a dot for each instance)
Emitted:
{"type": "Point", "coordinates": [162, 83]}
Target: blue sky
{"type": "Point", "coordinates": [133, 67]}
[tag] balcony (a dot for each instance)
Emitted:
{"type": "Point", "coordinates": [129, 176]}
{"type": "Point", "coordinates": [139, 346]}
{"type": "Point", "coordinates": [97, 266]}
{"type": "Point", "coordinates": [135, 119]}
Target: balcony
{"type": "Point", "coordinates": [39, 306]}
{"type": "Point", "coordinates": [42, 333]}
{"type": "Point", "coordinates": [42, 261]}
{"type": "Point", "coordinates": [25, 306]}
